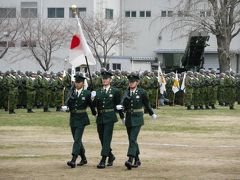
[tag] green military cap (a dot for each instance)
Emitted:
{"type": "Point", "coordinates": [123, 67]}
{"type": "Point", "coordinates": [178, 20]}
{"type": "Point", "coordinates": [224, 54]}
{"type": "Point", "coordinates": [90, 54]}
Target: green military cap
{"type": "Point", "coordinates": [79, 77]}
{"type": "Point", "coordinates": [133, 77]}
{"type": "Point", "coordinates": [106, 74]}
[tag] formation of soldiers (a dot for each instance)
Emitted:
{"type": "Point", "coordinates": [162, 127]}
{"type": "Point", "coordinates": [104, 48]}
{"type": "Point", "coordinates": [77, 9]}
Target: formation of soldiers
{"type": "Point", "coordinates": [203, 90]}
{"type": "Point", "coordinates": [29, 90]}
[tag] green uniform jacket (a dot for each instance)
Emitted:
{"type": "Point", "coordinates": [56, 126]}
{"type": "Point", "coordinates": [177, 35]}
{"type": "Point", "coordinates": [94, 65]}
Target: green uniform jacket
{"type": "Point", "coordinates": [78, 115]}
{"type": "Point", "coordinates": [133, 106]}
{"type": "Point", "coordinates": [106, 105]}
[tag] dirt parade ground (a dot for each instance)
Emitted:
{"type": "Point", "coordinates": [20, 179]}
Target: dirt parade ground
{"type": "Point", "coordinates": [41, 152]}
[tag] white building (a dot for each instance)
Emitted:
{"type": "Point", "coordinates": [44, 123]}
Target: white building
{"type": "Point", "coordinates": [146, 18]}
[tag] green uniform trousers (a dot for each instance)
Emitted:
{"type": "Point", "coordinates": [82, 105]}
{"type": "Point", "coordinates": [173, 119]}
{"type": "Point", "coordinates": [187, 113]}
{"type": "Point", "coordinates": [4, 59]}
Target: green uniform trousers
{"type": "Point", "coordinates": [105, 132]}
{"type": "Point", "coordinates": [133, 149]}
{"type": "Point", "coordinates": [78, 148]}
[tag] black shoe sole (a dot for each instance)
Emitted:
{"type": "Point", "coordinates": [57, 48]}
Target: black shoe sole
{"type": "Point", "coordinates": [111, 162]}
{"type": "Point", "coordinates": [82, 163]}
{"type": "Point", "coordinates": [128, 165]}
{"type": "Point", "coordinates": [71, 165]}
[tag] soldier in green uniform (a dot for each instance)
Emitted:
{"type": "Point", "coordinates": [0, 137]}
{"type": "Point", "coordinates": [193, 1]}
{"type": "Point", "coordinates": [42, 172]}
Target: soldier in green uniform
{"type": "Point", "coordinates": [12, 85]}
{"type": "Point", "coordinates": [1, 89]}
{"type": "Point", "coordinates": [67, 83]}
{"type": "Point", "coordinates": [220, 95]}
{"type": "Point", "coordinates": [134, 100]}
{"type": "Point", "coordinates": [58, 87]}
{"type": "Point", "coordinates": [78, 101]}
{"type": "Point", "coordinates": [31, 91]}
{"type": "Point", "coordinates": [238, 88]}
{"type": "Point", "coordinates": [46, 92]}
{"type": "Point", "coordinates": [5, 90]}
{"type": "Point", "coordinates": [229, 90]}
{"type": "Point", "coordinates": [105, 101]}
{"type": "Point", "coordinates": [188, 90]}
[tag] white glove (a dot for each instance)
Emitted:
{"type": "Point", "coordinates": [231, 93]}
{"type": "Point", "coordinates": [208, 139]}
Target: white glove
{"type": "Point", "coordinates": [64, 108]}
{"type": "Point", "coordinates": [119, 107]}
{"type": "Point", "coordinates": [123, 121]}
{"type": "Point", "coordinates": [154, 117]}
{"type": "Point", "coordinates": [93, 94]}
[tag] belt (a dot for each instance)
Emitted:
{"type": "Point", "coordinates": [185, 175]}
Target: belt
{"type": "Point", "coordinates": [79, 111]}
{"type": "Point", "coordinates": [106, 110]}
{"type": "Point", "coordinates": [135, 110]}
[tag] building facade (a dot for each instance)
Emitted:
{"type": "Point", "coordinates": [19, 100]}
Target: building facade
{"type": "Point", "coordinates": [151, 46]}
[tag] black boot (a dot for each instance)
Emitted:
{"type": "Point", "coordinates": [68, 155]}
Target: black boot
{"type": "Point", "coordinates": [101, 165]}
{"type": "Point", "coordinates": [137, 162]}
{"type": "Point", "coordinates": [128, 163]}
{"type": "Point", "coordinates": [111, 158]}
{"type": "Point", "coordinates": [83, 160]}
{"type": "Point", "coordinates": [30, 111]}
{"type": "Point", "coordinates": [72, 163]}
{"type": "Point", "coordinates": [45, 109]}
{"type": "Point", "coordinates": [58, 108]}
{"type": "Point", "coordinates": [11, 112]}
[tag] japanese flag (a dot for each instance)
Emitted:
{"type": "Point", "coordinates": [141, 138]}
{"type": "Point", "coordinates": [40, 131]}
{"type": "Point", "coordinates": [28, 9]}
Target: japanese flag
{"type": "Point", "coordinates": [79, 49]}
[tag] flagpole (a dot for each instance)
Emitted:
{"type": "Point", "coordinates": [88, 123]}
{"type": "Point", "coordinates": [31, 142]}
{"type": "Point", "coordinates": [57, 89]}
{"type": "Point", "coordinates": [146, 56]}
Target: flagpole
{"type": "Point", "coordinates": [90, 76]}
{"type": "Point", "coordinates": [74, 9]}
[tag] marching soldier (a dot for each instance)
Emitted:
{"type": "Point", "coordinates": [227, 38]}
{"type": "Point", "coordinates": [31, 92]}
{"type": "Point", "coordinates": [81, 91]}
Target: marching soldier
{"type": "Point", "coordinates": [78, 101]}
{"type": "Point", "coordinates": [133, 101]}
{"type": "Point", "coordinates": [106, 100]}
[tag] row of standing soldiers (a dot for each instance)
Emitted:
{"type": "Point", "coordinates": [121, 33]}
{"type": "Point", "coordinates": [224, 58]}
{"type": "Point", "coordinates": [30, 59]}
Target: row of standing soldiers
{"type": "Point", "coordinates": [29, 90]}
{"type": "Point", "coordinates": [202, 90]}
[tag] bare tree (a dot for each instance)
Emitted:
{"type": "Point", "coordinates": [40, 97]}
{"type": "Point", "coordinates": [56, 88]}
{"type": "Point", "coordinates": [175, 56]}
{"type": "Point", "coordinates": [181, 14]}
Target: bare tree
{"type": "Point", "coordinates": [9, 29]}
{"type": "Point", "coordinates": [103, 35]}
{"type": "Point", "coordinates": [44, 37]}
{"type": "Point", "coordinates": [219, 17]}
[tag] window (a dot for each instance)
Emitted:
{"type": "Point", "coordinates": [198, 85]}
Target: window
{"type": "Point", "coordinates": [7, 44]}
{"type": "Point", "coordinates": [81, 12]}
{"type": "Point", "coordinates": [205, 13]}
{"type": "Point", "coordinates": [55, 12]}
{"type": "Point", "coordinates": [7, 12]}
{"type": "Point", "coordinates": [209, 13]}
{"type": "Point", "coordinates": [170, 13]}
{"type": "Point", "coordinates": [127, 14]}
{"type": "Point", "coordinates": [107, 66]}
{"type": "Point", "coordinates": [133, 14]}
{"type": "Point", "coordinates": [164, 13]}
{"type": "Point", "coordinates": [148, 13]}
{"type": "Point", "coordinates": [28, 44]}
{"type": "Point", "coordinates": [28, 9]}
{"type": "Point", "coordinates": [3, 43]}
{"type": "Point", "coordinates": [202, 13]}
{"type": "Point", "coordinates": [142, 14]}
{"type": "Point", "coordinates": [109, 14]}
{"type": "Point", "coordinates": [180, 14]}
{"type": "Point", "coordinates": [116, 66]}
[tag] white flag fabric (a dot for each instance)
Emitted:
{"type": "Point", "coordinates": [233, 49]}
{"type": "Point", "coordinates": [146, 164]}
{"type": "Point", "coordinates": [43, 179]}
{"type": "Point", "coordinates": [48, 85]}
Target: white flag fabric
{"type": "Point", "coordinates": [183, 82]}
{"type": "Point", "coordinates": [175, 87]}
{"type": "Point", "coordinates": [79, 49]}
{"type": "Point", "coordinates": [73, 74]}
{"type": "Point", "coordinates": [161, 80]}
